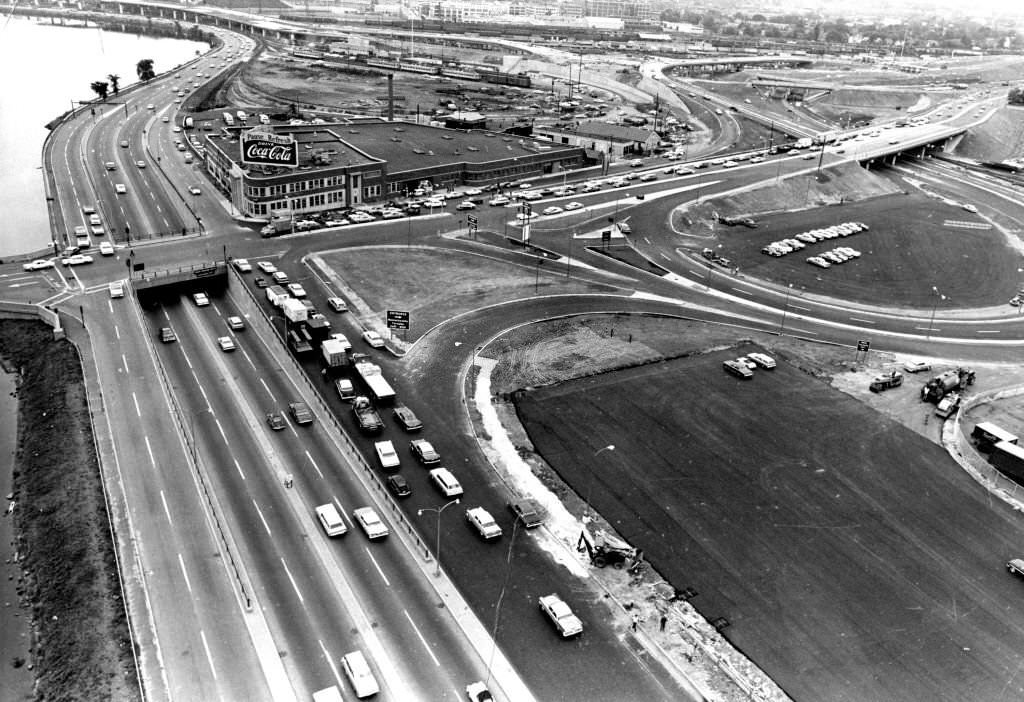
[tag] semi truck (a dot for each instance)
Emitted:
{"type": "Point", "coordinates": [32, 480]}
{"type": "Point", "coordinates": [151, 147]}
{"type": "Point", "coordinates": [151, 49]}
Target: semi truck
{"type": "Point", "coordinates": [379, 388]}
{"type": "Point", "coordinates": [1008, 459]}
{"type": "Point", "coordinates": [367, 416]}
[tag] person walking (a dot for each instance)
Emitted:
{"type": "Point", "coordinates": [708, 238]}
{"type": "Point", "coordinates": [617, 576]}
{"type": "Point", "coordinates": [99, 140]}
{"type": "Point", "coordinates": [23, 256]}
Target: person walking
{"type": "Point", "coordinates": [636, 620]}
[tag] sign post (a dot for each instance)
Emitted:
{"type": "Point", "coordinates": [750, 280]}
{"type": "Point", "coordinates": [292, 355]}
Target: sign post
{"type": "Point", "coordinates": [398, 319]}
{"type": "Point", "coordinates": [863, 345]}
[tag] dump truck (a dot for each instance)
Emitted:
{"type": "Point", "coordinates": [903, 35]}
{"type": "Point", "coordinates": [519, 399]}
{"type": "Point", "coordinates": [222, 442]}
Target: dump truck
{"type": "Point", "coordinates": [335, 355]}
{"type": "Point", "coordinates": [945, 383]}
{"type": "Point", "coordinates": [892, 379]}
{"type": "Point", "coordinates": [379, 388]}
{"type": "Point", "coordinates": [367, 416]}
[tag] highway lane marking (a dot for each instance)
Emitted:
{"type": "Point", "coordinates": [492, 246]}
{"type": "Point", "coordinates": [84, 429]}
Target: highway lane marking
{"type": "Point", "coordinates": [209, 656]}
{"type": "Point", "coordinates": [988, 331]}
{"type": "Point", "coordinates": [797, 307]}
{"type": "Point", "coordinates": [184, 573]}
{"type": "Point", "coordinates": [167, 510]}
{"type": "Point", "coordinates": [260, 513]}
{"type": "Point", "coordinates": [246, 354]}
{"type": "Point", "coordinates": [138, 412]}
{"type": "Point", "coordinates": [647, 241]}
{"type": "Point", "coordinates": [745, 292]}
{"type": "Point", "coordinates": [117, 332]}
{"type": "Point", "coordinates": [149, 450]}
{"type": "Point", "coordinates": [264, 384]}
{"type": "Point", "coordinates": [931, 329]}
{"type": "Point", "coordinates": [863, 321]}
{"type": "Point", "coordinates": [124, 361]}
{"type": "Point", "coordinates": [423, 640]}
{"type": "Point", "coordinates": [239, 468]}
{"type": "Point", "coordinates": [803, 331]}
{"type": "Point", "coordinates": [188, 361]}
{"type": "Point", "coordinates": [341, 508]}
{"type": "Point", "coordinates": [665, 256]}
{"type": "Point", "coordinates": [314, 465]}
{"type": "Point", "coordinates": [221, 430]}
{"type": "Point", "coordinates": [294, 584]}
{"type": "Point", "coordinates": [377, 566]}
{"type": "Point", "coordinates": [330, 661]}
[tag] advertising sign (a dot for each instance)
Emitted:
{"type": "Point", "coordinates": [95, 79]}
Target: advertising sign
{"type": "Point", "coordinates": [266, 149]}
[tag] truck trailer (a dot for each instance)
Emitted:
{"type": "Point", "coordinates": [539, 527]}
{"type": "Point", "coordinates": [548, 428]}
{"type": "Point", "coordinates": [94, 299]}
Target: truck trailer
{"type": "Point", "coordinates": [277, 295]}
{"type": "Point", "coordinates": [335, 355]}
{"type": "Point", "coordinates": [379, 388]}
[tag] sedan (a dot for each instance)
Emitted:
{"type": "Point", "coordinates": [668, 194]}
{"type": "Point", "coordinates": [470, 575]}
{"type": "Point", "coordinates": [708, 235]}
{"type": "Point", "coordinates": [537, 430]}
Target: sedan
{"type": "Point", "coordinates": [424, 451]}
{"type": "Point", "coordinates": [76, 260]}
{"type": "Point", "coordinates": [37, 265]}
{"type": "Point", "coordinates": [225, 343]}
{"type": "Point", "coordinates": [124, 143]}
{"type": "Point", "coordinates": [478, 692]}
{"type": "Point", "coordinates": [373, 338]}
{"type": "Point", "coordinates": [969, 208]}
{"type": "Point", "coordinates": [242, 265]}
{"type": "Point", "coordinates": [194, 189]}
{"type": "Point", "coordinates": [140, 164]}
{"type": "Point", "coordinates": [499, 201]}
{"type": "Point", "coordinates": [337, 304]}
{"type": "Point", "coordinates": [236, 323]}
{"type": "Point", "coordinates": [296, 290]}
{"type": "Point", "coordinates": [553, 210]}
{"type": "Point", "coordinates": [574, 206]}
{"type": "Point", "coordinates": [398, 486]}
{"type": "Point", "coordinates": [916, 366]}
{"type": "Point", "coordinates": [371, 523]}
{"type": "Point", "coordinates": [266, 267]}
{"type": "Point", "coordinates": [120, 189]}
{"type": "Point", "coordinates": [275, 421]}
{"type": "Point", "coordinates": [466, 205]}
{"type": "Point", "coordinates": [201, 299]}
{"type": "Point", "coordinates": [407, 418]}
{"type": "Point", "coordinates": [386, 454]}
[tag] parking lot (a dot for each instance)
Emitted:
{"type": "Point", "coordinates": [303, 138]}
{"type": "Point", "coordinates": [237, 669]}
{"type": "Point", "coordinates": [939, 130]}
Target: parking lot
{"type": "Point", "coordinates": [852, 559]}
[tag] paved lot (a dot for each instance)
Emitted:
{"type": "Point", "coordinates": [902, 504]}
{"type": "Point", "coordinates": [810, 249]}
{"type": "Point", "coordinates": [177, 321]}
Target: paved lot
{"type": "Point", "coordinates": [852, 558]}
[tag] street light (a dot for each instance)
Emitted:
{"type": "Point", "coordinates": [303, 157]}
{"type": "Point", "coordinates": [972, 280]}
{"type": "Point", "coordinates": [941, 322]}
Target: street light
{"type": "Point", "coordinates": [442, 508]}
{"type": "Point", "coordinates": [938, 296]}
{"type": "Point", "coordinates": [785, 308]}
{"type": "Point", "coordinates": [590, 481]}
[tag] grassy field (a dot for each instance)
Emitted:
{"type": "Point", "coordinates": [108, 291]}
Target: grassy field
{"type": "Point", "coordinates": [82, 649]}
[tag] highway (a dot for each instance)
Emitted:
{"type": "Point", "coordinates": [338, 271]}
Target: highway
{"type": "Point", "coordinates": [272, 603]}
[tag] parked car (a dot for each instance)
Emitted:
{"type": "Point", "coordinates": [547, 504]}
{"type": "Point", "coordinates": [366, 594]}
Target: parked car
{"type": "Point", "coordinates": [337, 304]}
{"type": "Point", "coordinates": [373, 338]}
{"type": "Point", "coordinates": [916, 366]}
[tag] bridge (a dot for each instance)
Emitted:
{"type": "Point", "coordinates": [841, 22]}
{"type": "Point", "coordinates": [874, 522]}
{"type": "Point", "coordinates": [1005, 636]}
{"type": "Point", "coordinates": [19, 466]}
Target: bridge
{"type": "Point", "coordinates": [941, 136]}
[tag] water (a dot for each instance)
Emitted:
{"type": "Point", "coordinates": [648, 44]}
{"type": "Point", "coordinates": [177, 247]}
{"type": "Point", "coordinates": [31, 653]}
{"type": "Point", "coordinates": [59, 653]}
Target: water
{"type": "Point", "coordinates": [57, 66]}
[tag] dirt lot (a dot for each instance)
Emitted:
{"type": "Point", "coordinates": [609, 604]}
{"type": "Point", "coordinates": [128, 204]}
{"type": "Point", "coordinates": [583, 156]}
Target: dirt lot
{"type": "Point", "coordinates": [82, 649]}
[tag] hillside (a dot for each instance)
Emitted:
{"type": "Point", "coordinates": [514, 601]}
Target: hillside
{"type": "Point", "coordinates": [1000, 138]}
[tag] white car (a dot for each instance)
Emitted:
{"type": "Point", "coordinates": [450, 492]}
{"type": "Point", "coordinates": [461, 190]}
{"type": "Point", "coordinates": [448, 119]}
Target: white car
{"type": "Point", "coordinates": [236, 323]}
{"type": "Point", "coordinates": [373, 338]}
{"type": "Point", "coordinates": [729, 164]}
{"type": "Point", "coordinates": [116, 289]}
{"type": "Point", "coordinates": [386, 454]}
{"type": "Point", "coordinates": [76, 260]}
{"type": "Point", "coordinates": [370, 522]}
{"type": "Point", "coordinates": [969, 208]}
{"type": "Point", "coordinates": [484, 523]}
{"type": "Point", "coordinates": [120, 189]}
{"type": "Point", "coordinates": [473, 191]}
{"type": "Point", "coordinates": [466, 205]}
{"type": "Point", "coordinates": [194, 189]}
{"type": "Point", "coordinates": [201, 299]}
{"type": "Point", "coordinates": [106, 248]}
{"type": "Point", "coordinates": [360, 217]}
{"type": "Point", "coordinates": [434, 202]}
{"type": "Point", "coordinates": [498, 201]}
{"type": "Point", "coordinates": [140, 164]}
{"type": "Point", "coordinates": [818, 261]}
{"type": "Point", "coordinates": [225, 343]}
{"type": "Point", "coordinates": [337, 304]}
{"type": "Point", "coordinates": [242, 265]}
{"type": "Point", "coordinates": [266, 267]}
{"type": "Point", "coordinates": [553, 210]}
{"type": "Point", "coordinates": [296, 290]}
{"type": "Point", "coordinates": [38, 264]}
{"type": "Point", "coordinates": [343, 340]}
{"type": "Point", "coordinates": [763, 360]}
{"type": "Point", "coordinates": [916, 366]}
{"type": "Point", "coordinates": [574, 206]}
{"type": "Point", "coordinates": [567, 623]}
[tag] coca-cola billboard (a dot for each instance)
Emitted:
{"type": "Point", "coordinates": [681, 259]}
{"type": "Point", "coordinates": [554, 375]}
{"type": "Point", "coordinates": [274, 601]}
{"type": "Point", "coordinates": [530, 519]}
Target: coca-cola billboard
{"type": "Point", "coordinates": [266, 149]}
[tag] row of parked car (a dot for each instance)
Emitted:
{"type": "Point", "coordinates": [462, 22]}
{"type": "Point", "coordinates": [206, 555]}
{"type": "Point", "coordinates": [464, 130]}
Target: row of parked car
{"type": "Point", "coordinates": [840, 254]}
{"type": "Point", "coordinates": [744, 366]}
{"type": "Point", "coordinates": [800, 241]}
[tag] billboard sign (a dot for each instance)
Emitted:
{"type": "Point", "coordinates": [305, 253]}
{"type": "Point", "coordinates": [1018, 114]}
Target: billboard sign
{"type": "Point", "coordinates": [265, 149]}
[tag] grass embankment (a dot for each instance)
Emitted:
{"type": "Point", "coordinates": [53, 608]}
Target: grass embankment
{"type": "Point", "coordinates": [82, 647]}
{"type": "Point", "coordinates": [999, 138]}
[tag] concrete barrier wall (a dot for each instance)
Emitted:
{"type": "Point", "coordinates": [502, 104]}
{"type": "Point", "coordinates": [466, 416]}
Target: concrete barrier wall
{"type": "Point", "coordinates": [25, 310]}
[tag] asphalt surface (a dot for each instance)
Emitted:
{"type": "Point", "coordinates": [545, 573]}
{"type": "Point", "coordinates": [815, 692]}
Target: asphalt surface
{"type": "Point", "coordinates": [852, 558]}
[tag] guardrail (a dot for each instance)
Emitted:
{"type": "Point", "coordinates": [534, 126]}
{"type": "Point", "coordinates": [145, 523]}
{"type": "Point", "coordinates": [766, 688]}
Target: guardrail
{"type": "Point", "coordinates": [353, 452]}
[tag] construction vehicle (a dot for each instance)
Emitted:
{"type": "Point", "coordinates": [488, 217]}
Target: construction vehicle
{"type": "Point", "coordinates": [945, 383]}
{"type": "Point", "coordinates": [948, 405]}
{"type": "Point", "coordinates": [367, 416]}
{"type": "Point", "coordinates": [892, 379]}
{"type": "Point", "coordinates": [605, 549]}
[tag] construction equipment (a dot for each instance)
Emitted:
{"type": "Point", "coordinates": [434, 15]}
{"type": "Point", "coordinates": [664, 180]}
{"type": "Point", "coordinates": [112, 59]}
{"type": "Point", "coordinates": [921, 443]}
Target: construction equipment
{"type": "Point", "coordinates": [945, 383]}
{"type": "Point", "coordinates": [892, 379]}
{"type": "Point", "coordinates": [605, 549]}
{"type": "Point", "coordinates": [948, 405]}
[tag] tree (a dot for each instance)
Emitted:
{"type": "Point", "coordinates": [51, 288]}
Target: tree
{"type": "Point", "coordinates": [100, 88]}
{"type": "Point", "coordinates": [114, 79]}
{"type": "Point", "coordinates": [145, 69]}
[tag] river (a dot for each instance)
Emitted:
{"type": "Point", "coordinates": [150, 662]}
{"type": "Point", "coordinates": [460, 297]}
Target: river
{"type": "Point", "coordinates": [58, 65]}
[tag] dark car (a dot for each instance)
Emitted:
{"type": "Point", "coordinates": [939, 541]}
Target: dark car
{"type": "Point", "coordinates": [398, 485]}
{"type": "Point", "coordinates": [300, 412]}
{"type": "Point", "coordinates": [405, 416]}
{"type": "Point", "coordinates": [261, 282]}
{"type": "Point", "coordinates": [275, 421]}
{"type": "Point", "coordinates": [527, 512]}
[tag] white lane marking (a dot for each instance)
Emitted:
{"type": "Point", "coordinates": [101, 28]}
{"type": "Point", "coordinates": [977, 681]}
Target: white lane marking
{"type": "Point", "coordinates": [931, 329]}
{"type": "Point", "coordinates": [423, 640]}
{"type": "Point", "coordinates": [988, 331]}
{"type": "Point", "coordinates": [117, 332]}
{"type": "Point", "coordinates": [246, 354]}
{"type": "Point", "coordinates": [221, 430]}
{"type": "Point", "coordinates": [739, 290]}
{"type": "Point", "coordinates": [167, 317]}
{"type": "Point", "coordinates": [124, 361]}
{"type": "Point", "coordinates": [801, 331]}
{"type": "Point", "coordinates": [203, 391]}
{"type": "Point", "coordinates": [167, 510]}
{"type": "Point", "coordinates": [330, 661]}
{"type": "Point", "coordinates": [862, 321]}
{"type": "Point", "coordinates": [187, 361]}
{"type": "Point", "coordinates": [294, 584]}
{"type": "Point", "coordinates": [184, 573]}
{"type": "Point", "coordinates": [377, 566]}
{"type": "Point", "coordinates": [797, 307]}
{"type": "Point", "coordinates": [315, 466]}
{"type": "Point", "coordinates": [138, 412]}
{"type": "Point", "coordinates": [263, 383]}
{"type": "Point", "coordinates": [209, 656]}
{"type": "Point", "coordinates": [260, 513]}
{"type": "Point", "coordinates": [648, 241]}
{"type": "Point", "coordinates": [239, 468]}
{"type": "Point", "coordinates": [149, 450]}
{"type": "Point", "coordinates": [665, 256]}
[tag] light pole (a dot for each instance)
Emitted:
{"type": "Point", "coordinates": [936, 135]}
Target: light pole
{"type": "Point", "coordinates": [785, 308]}
{"type": "Point", "coordinates": [590, 481]}
{"type": "Point", "coordinates": [938, 297]}
{"type": "Point", "coordinates": [442, 508]}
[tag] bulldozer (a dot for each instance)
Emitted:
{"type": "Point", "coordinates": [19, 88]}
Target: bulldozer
{"type": "Point", "coordinates": [605, 549]}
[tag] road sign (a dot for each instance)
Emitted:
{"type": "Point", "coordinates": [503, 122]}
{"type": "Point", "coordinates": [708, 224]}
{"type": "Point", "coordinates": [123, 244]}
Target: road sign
{"type": "Point", "coordinates": [863, 345]}
{"type": "Point", "coordinates": [397, 319]}
{"type": "Point", "coordinates": [472, 220]}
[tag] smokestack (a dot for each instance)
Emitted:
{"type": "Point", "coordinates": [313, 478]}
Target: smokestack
{"type": "Point", "coordinates": [391, 97]}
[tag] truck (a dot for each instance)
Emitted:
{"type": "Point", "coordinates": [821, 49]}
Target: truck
{"type": "Point", "coordinates": [804, 143]}
{"type": "Point", "coordinates": [943, 384]}
{"type": "Point", "coordinates": [294, 310]}
{"type": "Point", "coordinates": [277, 295]}
{"type": "Point", "coordinates": [986, 435]}
{"type": "Point", "coordinates": [335, 354]}
{"type": "Point", "coordinates": [228, 119]}
{"type": "Point", "coordinates": [567, 623]}
{"type": "Point", "coordinates": [948, 405]}
{"type": "Point", "coordinates": [188, 123]}
{"type": "Point", "coordinates": [892, 379]}
{"type": "Point", "coordinates": [276, 227]}
{"type": "Point", "coordinates": [379, 388]}
{"type": "Point", "coordinates": [319, 328]}
{"type": "Point", "coordinates": [299, 340]}
{"type": "Point", "coordinates": [1008, 459]}
{"type": "Point", "coordinates": [367, 416]}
